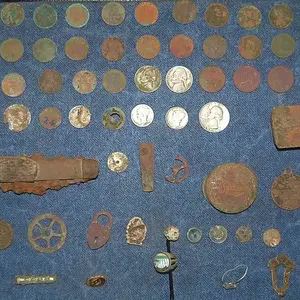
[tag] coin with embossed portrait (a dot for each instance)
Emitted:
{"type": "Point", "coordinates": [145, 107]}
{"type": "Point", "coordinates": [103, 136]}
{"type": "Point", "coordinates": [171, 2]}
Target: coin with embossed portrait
{"type": "Point", "coordinates": [148, 46]}
{"type": "Point", "coordinates": [50, 118]}
{"type": "Point", "coordinates": [249, 17]}
{"type": "Point", "coordinates": [147, 79]}
{"type": "Point", "coordinates": [45, 16]}
{"type": "Point", "coordinates": [215, 46]}
{"type": "Point", "coordinates": [80, 116]}
{"type": "Point", "coordinates": [12, 14]}
{"type": "Point", "coordinates": [250, 47]}
{"type": "Point", "coordinates": [13, 85]}
{"type": "Point", "coordinates": [283, 45]}
{"type": "Point", "coordinates": [177, 118]}
{"type": "Point", "coordinates": [146, 13]}
{"type": "Point", "coordinates": [217, 15]}
{"type": "Point", "coordinates": [212, 79]}
{"type": "Point", "coordinates": [246, 79]}
{"type": "Point", "coordinates": [181, 46]}
{"type": "Point", "coordinates": [113, 13]}
{"type": "Point", "coordinates": [84, 82]}
{"type": "Point", "coordinates": [142, 115]}
{"type": "Point", "coordinates": [281, 16]}
{"type": "Point", "coordinates": [184, 11]}
{"type": "Point", "coordinates": [44, 50]}
{"type": "Point", "coordinates": [50, 81]}
{"type": "Point", "coordinates": [179, 79]}
{"type": "Point", "coordinates": [17, 117]}
{"type": "Point", "coordinates": [113, 49]}
{"type": "Point", "coordinates": [77, 15]}
{"type": "Point", "coordinates": [12, 50]}
{"type": "Point", "coordinates": [114, 81]}
{"type": "Point", "coordinates": [77, 48]}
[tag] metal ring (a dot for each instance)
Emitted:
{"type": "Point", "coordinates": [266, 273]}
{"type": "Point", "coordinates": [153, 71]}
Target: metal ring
{"type": "Point", "coordinates": [114, 118]}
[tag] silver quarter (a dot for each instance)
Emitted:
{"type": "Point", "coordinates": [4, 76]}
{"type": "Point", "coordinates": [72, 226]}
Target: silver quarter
{"type": "Point", "coordinates": [179, 79]}
{"type": "Point", "coordinates": [147, 79]}
{"type": "Point", "coordinates": [218, 234]}
{"type": "Point", "coordinates": [177, 117]}
{"type": "Point", "coordinates": [80, 116]}
{"type": "Point", "coordinates": [142, 115]}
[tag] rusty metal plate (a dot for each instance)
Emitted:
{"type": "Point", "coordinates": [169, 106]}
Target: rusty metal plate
{"type": "Point", "coordinates": [147, 166]}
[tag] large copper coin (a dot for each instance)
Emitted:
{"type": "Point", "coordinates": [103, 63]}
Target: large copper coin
{"type": "Point", "coordinates": [148, 46]}
{"type": "Point", "coordinates": [281, 16]}
{"type": "Point", "coordinates": [231, 188]}
{"type": "Point", "coordinates": [281, 79]}
{"type": "Point", "coordinates": [114, 81]}
{"type": "Point", "coordinates": [184, 11]}
{"type": "Point", "coordinates": [12, 50]}
{"type": "Point", "coordinates": [13, 85]}
{"type": "Point", "coordinates": [45, 16]}
{"type": "Point", "coordinates": [51, 82]}
{"type": "Point", "coordinates": [77, 48]}
{"type": "Point", "coordinates": [214, 46]}
{"type": "Point", "coordinates": [6, 235]}
{"type": "Point", "coordinates": [250, 47]}
{"type": "Point", "coordinates": [84, 82]}
{"type": "Point", "coordinates": [249, 17]}
{"type": "Point", "coordinates": [217, 15]}
{"type": "Point", "coordinates": [246, 79]}
{"type": "Point", "coordinates": [77, 15]}
{"type": "Point", "coordinates": [212, 79]}
{"type": "Point", "coordinates": [283, 45]}
{"type": "Point", "coordinates": [113, 13]}
{"type": "Point", "coordinates": [181, 46]}
{"type": "Point", "coordinates": [44, 50]}
{"type": "Point", "coordinates": [146, 13]}
{"type": "Point", "coordinates": [113, 49]}
{"type": "Point", "coordinates": [17, 117]}
{"type": "Point", "coordinates": [50, 118]}
{"type": "Point", "coordinates": [12, 14]}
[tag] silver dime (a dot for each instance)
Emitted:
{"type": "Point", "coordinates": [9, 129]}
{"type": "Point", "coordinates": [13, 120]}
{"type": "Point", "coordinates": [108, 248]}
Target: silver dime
{"type": "Point", "coordinates": [80, 116]}
{"type": "Point", "coordinates": [218, 234]}
{"type": "Point", "coordinates": [177, 117]}
{"type": "Point", "coordinates": [214, 117]}
{"type": "Point", "coordinates": [179, 79]}
{"type": "Point", "coordinates": [147, 79]}
{"type": "Point", "coordinates": [142, 115]}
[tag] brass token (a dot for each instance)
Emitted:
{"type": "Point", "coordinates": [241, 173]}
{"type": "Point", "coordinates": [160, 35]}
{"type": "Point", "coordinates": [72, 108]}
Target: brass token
{"type": "Point", "coordinates": [146, 13]}
{"type": "Point", "coordinates": [281, 79]}
{"type": "Point", "coordinates": [148, 46]}
{"type": "Point", "coordinates": [79, 116]}
{"type": "Point", "coordinates": [215, 46]}
{"type": "Point", "coordinates": [13, 85]}
{"type": "Point", "coordinates": [113, 49]}
{"type": "Point", "coordinates": [272, 237]}
{"type": "Point", "coordinates": [45, 16]}
{"type": "Point", "coordinates": [217, 15]}
{"type": "Point", "coordinates": [114, 81]}
{"type": "Point", "coordinates": [184, 11]}
{"type": "Point", "coordinates": [283, 45]}
{"type": "Point", "coordinates": [246, 79]}
{"type": "Point", "coordinates": [84, 82]}
{"type": "Point", "coordinates": [281, 16]}
{"type": "Point", "coordinates": [117, 162]}
{"type": "Point", "coordinates": [77, 15]}
{"type": "Point", "coordinates": [113, 13]}
{"type": "Point", "coordinates": [12, 50]}
{"type": "Point", "coordinates": [77, 48]}
{"type": "Point", "coordinates": [17, 117]}
{"type": "Point", "coordinates": [181, 46]}
{"type": "Point", "coordinates": [6, 235]}
{"type": "Point", "coordinates": [12, 14]}
{"type": "Point", "coordinates": [50, 118]}
{"type": "Point", "coordinates": [50, 82]}
{"type": "Point", "coordinates": [249, 17]}
{"type": "Point", "coordinates": [212, 79]}
{"type": "Point", "coordinates": [244, 234]}
{"type": "Point", "coordinates": [113, 118]}
{"type": "Point", "coordinates": [250, 47]}
{"type": "Point", "coordinates": [44, 50]}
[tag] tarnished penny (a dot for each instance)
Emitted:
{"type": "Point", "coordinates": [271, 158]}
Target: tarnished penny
{"type": "Point", "coordinates": [250, 47]}
{"type": "Point", "coordinates": [272, 237]}
{"type": "Point", "coordinates": [283, 45]}
{"type": "Point", "coordinates": [12, 50]}
{"type": "Point", "coordinates": [77, 48]}
{"type": "Point", "coordinates": [113, 49]}
{"type": "Point", "coordinates": [181, 46]}
{"type": "Point", "coordinates": [44, 50]}
{"type": "Point", "coordinates": [217, 15]}
{"type": "Point", "coordinates": [84, 82]}
{"type": "Point", "coordinates": [215, 46]}
{"type": "Point", "coordinates": [246, 79]}
{"type": "Point", "coordinates": [147, 79]}
{"type": "Point", "coordinates": [6, 235]}
{"type": "Point", "coordinates": [281, 79]}
{"type": "Point", "coordinates": [244, 234]}
{"type": "Point", "coordinates": [218, 234]}
{"type": "Point", "coordinates": [179, 79]}
{"type": "Point", "coordinates": [50, 118]}
{"type": "Point", "coordinates": [281, 16]}
{"type": "Point", "coordinates": [249, 17]}
{"type": "Point", "coordinates": [17, 117]}
{"type": "Point", "coordinates": [212, 79]}
{"type": "Point", "coordinates": [13, 85]}
{"type": "Point", "coordinates": [146, 13]}
{"type": "Point", "coordinates": [231, 187]}
{"type": "Point", "coordinates": [12, 14]}
{"type": "Point", "coordinates": [184, 11]}
{"type": "Point", "coordinates": [51, 82]}
{"type": "Point", "coordinates": [117, 162]}
{"type": "Point", "coordinates": [114, 81]}
{"type": "Point", "coordinates": [77, 15]}
{"type": "Point", "coordinates": [45, 16]}
{"type": "Point", "coordinates": [148, 46]}
{"type": "Point", "coordinates": [113, 13]}
{"type": "Point", "coordinates": [79, 116]}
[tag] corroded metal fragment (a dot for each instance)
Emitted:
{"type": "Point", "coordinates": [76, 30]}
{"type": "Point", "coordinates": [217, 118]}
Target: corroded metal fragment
{"type": "Point", "coordinates": [136, 231]}
{"type": "Point", "coordinates": [34, 279]}
{"type": "Point", "coordinates": [96, 280]}
{"type": "Point", "coordinates": [147, 166]}
{"type": "Point", "coordinates": [177, 169]}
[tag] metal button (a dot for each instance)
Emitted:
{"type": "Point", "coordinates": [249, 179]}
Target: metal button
{"type": "Point", "coordinates": [194, 235]}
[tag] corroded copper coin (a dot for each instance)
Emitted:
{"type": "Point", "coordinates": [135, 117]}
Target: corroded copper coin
{"type": "Point", "coordinates": [12, 50]}
{"type": "Point", "coordinates": [244, 234]}
{"type": "Point", "coordinates": [51, 82]}
{"type": "Point", "coordinates": [281, 16]}
{"type": "Point", "coordinates": [148, 46]}
{"type": "Point", "coordinates": [212, 79]}
{"type": "Point", "coordinates": [113, 49]}
{"type": "Point", "coordinates": [84, 82]}
{"type": "Point", "coordinates": [17, 117]}
{"type": "Point", "coordinates": [281, 79]}
{"type": "Point", "coordinates": [283, 45]}
{"type": "Point", "coordinates": [13, 85]}
{"type": "Point", "coordinates": [184, 11]}
{"type": "Point", "coordinates": [50, 118]}
{"type": "Point", "coordinates": [217, 15]}
{"type": "Point", "coordinates": [214, 46]}
{"type": "Point", "coordinates": [272, 237]}
{"type": "Point", "coordinates": [44, 50]}
{"type": "Point", "coordinates": [231, 187]}
{"type": "Point", "coordinates": [246, 79]}
{"type": "Point", "coordinates": [77, 48]}
{"type": "Point", "coordinates": [181, 46]}
{"type": "Point", "coordinates": [249, 17]}
{"type": "Point", "coordinates": [79, 116]}
{"type": "Point", "coordinates": [77, 15]}
{"type": "Point", "coordinates": [114, 81]}
{"type": "Point", "coordinates": [113, 13]}
{"type": "Point", "coordinates": [12, 14]}
{"type": "Point", "coordinates": [45, 16]}
{"type": "Point", "coordinates": [146, 13]}
{"type": "Point", "coordinates": [6, 235]}
{"type": "Point", "coordinates": [250, 47]}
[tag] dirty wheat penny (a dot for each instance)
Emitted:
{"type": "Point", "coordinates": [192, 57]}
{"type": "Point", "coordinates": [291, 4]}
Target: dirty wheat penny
{"type": "Point", "coordinates": [50, 118]}
{"type": "Point", "coordinates": [249, 17]}
{"type": "Point", "coordinates": [246, 79]}
{"type": "Point", "coordinates": [12, 50]}
{"type": "Point", "coordinates": [6, 235]}
{"type": "Point", "coordinates": [50, 82]}
{"type": "Point", "coordinates": [12, 14]}
{"type": "Point", "coordinates": [77, 48]}
{"type": "Point", "coordinates": [45, 16]}
{"type": "Point", "coordinates": [184, 11]}
{"type": "Point", "coordinates": [113, 13]}
{"type": "Point", "coordinates": [281, 16]}
{"type": "Point", "coordinates": [250, 47]}
{"type": "Point", "coordinates": [272, 237]}
{"type": "Point", "coordinates": [212, 79]}
{"type": "Point", "coordinates": [77, 15]}
{"type": "Point", "coordinates": [113, 49]}
{"type": "Point", "coordinates": [148, 46]}
{"type": "Point", "coordinates": [146, 13]}
{"type": "Point", "coordinates": [79, 116]}
{"type": "Point", "coordinates": [181, 46]}
{"type": "Point", "coordinates": [114, 81]}
{"type": "Point", "coordinates": [84, 82]}
{"type": "Point", "coordinates": [244, 234]}
{"type": "Point", "coordinates": [13, 85]}
{"type": "Point", "coordinates": [283, 45]}
{"type": "Point", "coordinates": [44, 50]}
{"type": "Point", "coordinates": [17, 117]}
{"type": "Point", "coordinates": [217, 15]}
{"type": "Point", "coordinates": [215, 46]}
{"type": "Point", "coordinates": [281, 79]}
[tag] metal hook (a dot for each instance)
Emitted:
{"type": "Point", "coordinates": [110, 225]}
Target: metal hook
{"type": "Point", "coordinates": [233, 284]}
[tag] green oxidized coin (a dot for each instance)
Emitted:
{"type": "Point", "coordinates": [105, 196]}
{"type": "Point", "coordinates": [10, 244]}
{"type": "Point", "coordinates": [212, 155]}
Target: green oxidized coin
{"type": "Point", "coordinates": [283, 45]}
{"type": "Point", "coordinates": [44, 50]}
{"type": "Point", "coordinates": [12, 14]}
{"type": "Point", "coordinates": [45, 16]}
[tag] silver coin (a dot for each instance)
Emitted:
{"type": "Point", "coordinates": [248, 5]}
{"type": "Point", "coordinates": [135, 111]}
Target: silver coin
{"type": "Point", "coordinates": [117, 162]}
{"type": "Point", "coordinates": [194, 235]}
{"type": "Point", "coordinates": [177, 117]}
{"type": "Point", "coordinates": [17, 117]}
{"type": "Point", "coordinates": [80, 116]}
{"type": "Point", "coordinates": [179, 79]}
{"type": "Point", "coordinates": [142, 115]}
{"type": "Point", "coordinates": [147, 79]}
{"type": "Point", "coordinates": [214, 117]}
{"type": "Point", "coordinates": [218, 234]}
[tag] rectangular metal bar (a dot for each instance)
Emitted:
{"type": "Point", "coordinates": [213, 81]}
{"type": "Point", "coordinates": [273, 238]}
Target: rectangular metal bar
{"type": "Point", "coordinates": [147, 166]}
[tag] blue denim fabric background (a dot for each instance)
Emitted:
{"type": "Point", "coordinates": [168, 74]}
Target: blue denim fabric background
{"type": "Point", "coordinates": [247, 139]}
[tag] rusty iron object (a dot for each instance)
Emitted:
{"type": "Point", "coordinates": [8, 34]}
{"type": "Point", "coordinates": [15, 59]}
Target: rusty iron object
{"type": "Point", "coordinates": [36, 174]}
{"type": "Point", "coordinates": [34, 279]}
{"type": "Point", "coordinates": [96, 280]}
{"type": "Point", "coordinates": [98, 235]}
{"type": "Point", "coordinates": [136, 231]}
{"type": "Point", "coordinates": [147, 166]}
{"type": "Point", "coordinates": [289, 266]}
{"type": "Point", "coordinates": [177, 169]}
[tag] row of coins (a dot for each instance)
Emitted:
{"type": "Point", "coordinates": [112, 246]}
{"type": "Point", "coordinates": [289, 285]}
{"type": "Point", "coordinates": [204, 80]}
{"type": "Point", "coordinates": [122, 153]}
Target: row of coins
{"type": "Point", "coordinates": [213, 117]}
{"type": "Point", "coordinates": [146, 13]}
